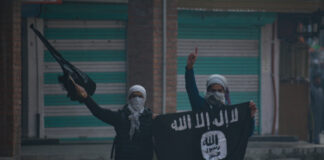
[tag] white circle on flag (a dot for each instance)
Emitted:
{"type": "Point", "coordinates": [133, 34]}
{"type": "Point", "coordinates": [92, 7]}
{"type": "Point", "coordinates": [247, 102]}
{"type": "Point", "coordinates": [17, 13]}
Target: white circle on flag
{"type": "Point", "coordinates": [213, 145]}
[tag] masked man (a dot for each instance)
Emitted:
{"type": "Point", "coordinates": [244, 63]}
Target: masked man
{"type": "Point", "coordinates": [217, 90]}
{"type": "Point", "coordinates": [316, 112]}
{"type": "Point", "coordinates": [132, 123]}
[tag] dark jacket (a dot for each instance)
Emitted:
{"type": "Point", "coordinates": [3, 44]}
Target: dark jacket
{"type": "Point", "coordinates": [316, 112]}
{"type": "Point", "coordinates": [197, 102]}
{"type": "Point", "coordinates": [141, 145]}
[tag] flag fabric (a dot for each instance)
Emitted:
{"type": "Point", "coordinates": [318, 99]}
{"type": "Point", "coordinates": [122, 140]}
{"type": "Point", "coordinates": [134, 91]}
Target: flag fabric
{"type": "Point", "coordinates": [217, 134]}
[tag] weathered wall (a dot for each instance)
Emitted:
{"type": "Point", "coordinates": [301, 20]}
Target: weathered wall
{"type": "Point", "coordinates": [255, 5]}
{"type": "Point", "coordinates": [293, 111]}
{"type": "Point", "coordinates": [267, 86]}
{"type": "Point", "coordinates": [10, 78]}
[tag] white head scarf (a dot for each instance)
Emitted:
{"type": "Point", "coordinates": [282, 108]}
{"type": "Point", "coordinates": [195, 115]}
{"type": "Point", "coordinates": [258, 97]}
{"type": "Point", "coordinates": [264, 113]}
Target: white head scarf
{"type": "Point", "coordinates": [135, 114]}
{"type": "Point", "coordinates": [137, 88]}
{"type": "Point", "coordinates": [217, 79]}
{"type": "Point", "coordinates": [221, 80]}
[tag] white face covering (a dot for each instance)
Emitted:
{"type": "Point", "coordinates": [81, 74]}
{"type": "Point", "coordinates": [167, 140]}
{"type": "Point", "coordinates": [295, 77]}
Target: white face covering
{"type": "Point", "coordinates": [136, 107]}
{"type": "Point", "coordinates": [212, 97]}
{"type": "Point", "coordinates": [137, 104]}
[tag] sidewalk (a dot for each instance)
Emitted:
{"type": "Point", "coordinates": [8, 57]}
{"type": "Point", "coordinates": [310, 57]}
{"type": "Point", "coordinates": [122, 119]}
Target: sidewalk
{"type": "Point", "coordinates": [284, 151]}
{"type": "Point", "coordinates": [66, 152]}
{"type": "Point", "coordinates": [255, 151]}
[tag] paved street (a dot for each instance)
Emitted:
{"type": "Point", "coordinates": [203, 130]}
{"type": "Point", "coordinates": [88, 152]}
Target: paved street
{"type": "Point", "coordinates": [255, 151]}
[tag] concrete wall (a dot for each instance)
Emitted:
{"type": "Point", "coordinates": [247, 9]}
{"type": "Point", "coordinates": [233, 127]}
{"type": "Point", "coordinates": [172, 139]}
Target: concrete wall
{"type": "Point", "coordinates": [10, 78]}
{"type": "Point", "coordinates": [268, 99]}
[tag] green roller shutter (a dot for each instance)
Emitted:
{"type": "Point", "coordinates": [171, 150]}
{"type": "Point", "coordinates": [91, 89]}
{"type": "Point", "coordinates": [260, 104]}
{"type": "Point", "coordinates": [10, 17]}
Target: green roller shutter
{"type": "Point", "coordinates": [92, 37]}
{"type": "Point", "coordinates": [228, 44]}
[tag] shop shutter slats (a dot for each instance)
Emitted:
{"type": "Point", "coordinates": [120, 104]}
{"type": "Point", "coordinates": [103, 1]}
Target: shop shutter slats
{"type": "Point", "coordinates": [228, 44]}
{"type": "Point", "coordinates": [92, 37]}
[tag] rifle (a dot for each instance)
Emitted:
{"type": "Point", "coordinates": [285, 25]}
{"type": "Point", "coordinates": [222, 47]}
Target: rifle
{"type": "Point", "coordinates": [69, 71]}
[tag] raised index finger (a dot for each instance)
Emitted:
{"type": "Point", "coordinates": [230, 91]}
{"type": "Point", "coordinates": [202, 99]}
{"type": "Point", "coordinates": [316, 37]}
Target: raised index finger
{"type": "Point", "coordinates": [196, 51]}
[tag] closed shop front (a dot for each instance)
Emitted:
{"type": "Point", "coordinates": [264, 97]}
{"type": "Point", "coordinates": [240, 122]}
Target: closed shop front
{"type": "Point", "coordinates": [228, 44]}
{"type": "Point", "coordinates": [91, 36]}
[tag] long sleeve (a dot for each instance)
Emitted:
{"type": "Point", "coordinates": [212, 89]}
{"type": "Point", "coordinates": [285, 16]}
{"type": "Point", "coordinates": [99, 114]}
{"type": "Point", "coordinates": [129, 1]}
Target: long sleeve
{"type": "Point", "coordinates": [196, 101]}
{"type": "Point", "coordinates": [106, 115]}
{"type": "Point", "coordinates": [252, 127]}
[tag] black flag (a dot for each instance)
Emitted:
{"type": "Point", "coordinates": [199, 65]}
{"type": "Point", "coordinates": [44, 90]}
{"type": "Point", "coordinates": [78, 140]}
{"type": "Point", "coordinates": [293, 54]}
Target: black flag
{"type": "Point", "coordinates": [69, 71]}
{"type": "Point", "coordinates": [216, 134]}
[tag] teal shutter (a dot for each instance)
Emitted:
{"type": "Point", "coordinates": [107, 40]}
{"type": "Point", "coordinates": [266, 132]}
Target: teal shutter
{"type": "Point", "coordinates": [228, 44]}
{"type": "Point", "coordinates": [92, 37]}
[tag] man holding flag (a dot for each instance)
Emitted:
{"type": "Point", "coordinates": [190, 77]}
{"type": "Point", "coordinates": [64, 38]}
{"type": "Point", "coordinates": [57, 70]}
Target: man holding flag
{"type": "Point", "coordinates": [213, 130]}
{"type": "Point", "coordinates": [217, 90]}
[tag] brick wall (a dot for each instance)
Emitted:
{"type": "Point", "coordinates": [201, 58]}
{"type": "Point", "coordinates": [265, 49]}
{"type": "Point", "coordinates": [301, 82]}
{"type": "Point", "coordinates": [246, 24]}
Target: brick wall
{"type": "Point", "coordinates": [157, 56]}
{"type": "Point", "coordinates": [144, 50]}
{"type": "Point", "coordinates": [139, 45]}
{"type": "Point", "coordinates": [10, 71]}
{"type": "Point", "coordinates": [172, 39]}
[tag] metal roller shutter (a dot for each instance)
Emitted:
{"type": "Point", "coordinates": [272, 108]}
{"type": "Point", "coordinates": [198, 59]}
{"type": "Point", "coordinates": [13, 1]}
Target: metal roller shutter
{"type": "Point", "coordinates": [229, 45]}
{"type": "Point", "coordinates": [92, 37]}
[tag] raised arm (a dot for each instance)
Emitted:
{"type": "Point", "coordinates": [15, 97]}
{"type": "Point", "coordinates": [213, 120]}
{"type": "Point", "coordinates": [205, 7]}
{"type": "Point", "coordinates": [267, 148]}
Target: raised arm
{"type": "Point", "coordinates": [253, 110]}
{"type": "Point", "coordinates": [196, 101]}
{"type": "Point", "coordinates": [106, 115]}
